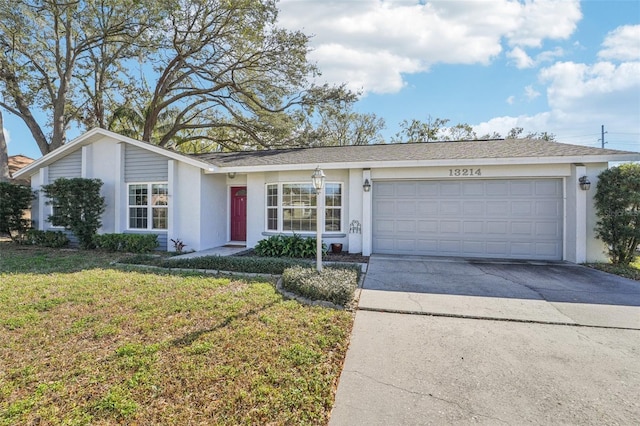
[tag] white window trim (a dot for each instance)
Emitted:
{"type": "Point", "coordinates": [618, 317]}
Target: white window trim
{"type": "Point", "coordinates": [149, 208]}
{"type": "Point", "coordinates": [280, 208]}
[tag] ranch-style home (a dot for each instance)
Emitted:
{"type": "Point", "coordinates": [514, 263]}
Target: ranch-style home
{"type": "Point", "coordinates": [513, 199]}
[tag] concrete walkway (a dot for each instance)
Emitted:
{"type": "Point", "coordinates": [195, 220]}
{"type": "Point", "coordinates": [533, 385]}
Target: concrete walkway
{"type": "Point", "coordinates": [226, 250]}
{"type": "Point", "coordinates": [455, 341]}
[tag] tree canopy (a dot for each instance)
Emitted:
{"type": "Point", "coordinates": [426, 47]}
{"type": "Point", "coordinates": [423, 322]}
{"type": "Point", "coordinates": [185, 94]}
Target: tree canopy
{"type": "Point", "coordinates": [190, 70]}
{"type": "Point", "coordinates": [436, 129]}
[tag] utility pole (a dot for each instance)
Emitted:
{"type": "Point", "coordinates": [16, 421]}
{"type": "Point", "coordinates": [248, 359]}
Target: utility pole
{"type": "Point", "coordinates": [602, 139]}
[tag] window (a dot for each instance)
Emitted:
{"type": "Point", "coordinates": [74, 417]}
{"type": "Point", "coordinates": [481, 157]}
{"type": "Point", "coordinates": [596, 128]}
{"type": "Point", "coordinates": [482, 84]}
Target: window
{"type": "Point", "coordinates": [293, 207]}
{"type": "Point", "coordinates": [148, 206]}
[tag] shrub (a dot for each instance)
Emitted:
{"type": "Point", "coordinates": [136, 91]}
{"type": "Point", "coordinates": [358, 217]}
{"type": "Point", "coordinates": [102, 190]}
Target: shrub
{"type": "Point", "coordinates": [617, 202]}
{"type": "Point", "coordinates": [333, 285]}
{"type": "Point", "coordinates": [288, 246]}
{"type": "Point", "coordinates": [77, 206]}
{"type": "Point", "coordinates": [14, 200]}
{"type": "Point", "coordinates": [249, 264]}
{"type": "Point", "coordinates": [130, 243]}
{"type": "Point", "coordinates": [54, 239]}
{"type": "Point", "coordinates": [178, 245]}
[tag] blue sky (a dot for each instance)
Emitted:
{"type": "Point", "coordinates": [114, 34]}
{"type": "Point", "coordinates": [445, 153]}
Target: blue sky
{"type": "Point", "coordinates": [561, 66]}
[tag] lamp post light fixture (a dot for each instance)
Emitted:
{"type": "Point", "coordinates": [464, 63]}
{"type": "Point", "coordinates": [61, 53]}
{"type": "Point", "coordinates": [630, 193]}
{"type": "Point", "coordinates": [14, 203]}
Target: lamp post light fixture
{"type": "Point", "coordinates": [585, 183]}
{"type": "Point", "coordinates": [317, 178]}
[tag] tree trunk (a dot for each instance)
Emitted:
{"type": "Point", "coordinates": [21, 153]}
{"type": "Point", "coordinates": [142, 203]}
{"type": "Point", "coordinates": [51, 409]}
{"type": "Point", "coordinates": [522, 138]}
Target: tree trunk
{"type": "Point", "coordinates": [4, 155]}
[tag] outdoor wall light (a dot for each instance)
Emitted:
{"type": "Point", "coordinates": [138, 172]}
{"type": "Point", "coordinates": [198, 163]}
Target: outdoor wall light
{"type": "Point", "coordinates": [366, 185]}
{"type": "Point", "coordinates": [231, 175]}
{"type": "Point", "coordinates": [585, 183]}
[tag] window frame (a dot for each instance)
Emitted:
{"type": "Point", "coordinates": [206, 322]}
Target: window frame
{"type": "Point", "coordinates": [149, 206]}
{"type": "Point", "coordinates": [279, 208]}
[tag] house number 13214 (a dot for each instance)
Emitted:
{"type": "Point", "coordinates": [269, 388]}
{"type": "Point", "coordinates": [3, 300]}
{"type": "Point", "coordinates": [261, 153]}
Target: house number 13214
{"type": "Point", "coordinates": [465, 172]}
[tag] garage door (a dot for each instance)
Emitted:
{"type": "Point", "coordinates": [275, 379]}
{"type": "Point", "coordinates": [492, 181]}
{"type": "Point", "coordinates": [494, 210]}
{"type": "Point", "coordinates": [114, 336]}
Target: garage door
{"type": "Point", "coordinates": [518, 219]}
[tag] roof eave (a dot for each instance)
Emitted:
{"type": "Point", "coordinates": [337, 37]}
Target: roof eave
{"type": "Point", "coordinates": [432, 163]}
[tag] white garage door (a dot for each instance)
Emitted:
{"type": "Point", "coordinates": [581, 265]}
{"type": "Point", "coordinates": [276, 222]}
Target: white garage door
{"type": "Point", "coordinates": [518, 218]}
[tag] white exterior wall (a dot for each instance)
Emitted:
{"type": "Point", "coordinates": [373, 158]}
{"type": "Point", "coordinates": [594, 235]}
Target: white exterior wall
{"type": "Point", "coordinates": [596, 249]}
{"type": "Point", "coordinates": [96, 167]}
{"type": "Point", "coordinates": [213, 211]}
{"type": "Point", "coordinates": [200, 203]}
{"type": "Point", "coordinates": [256, 207]}
{"type": "Point", "coordinates": [256, 202]}
{"type": "Point", "coordinates": [354, 195]}
{"type": "Point", "coordinates": [184, 205]}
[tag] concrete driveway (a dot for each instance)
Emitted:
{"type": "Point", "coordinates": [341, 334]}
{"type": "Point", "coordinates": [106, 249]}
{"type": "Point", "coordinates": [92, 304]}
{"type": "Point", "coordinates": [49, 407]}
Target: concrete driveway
{"type": "Point", "coordinates": [546, 292]}
{"type": "Point", "coordinates": [455, 341]}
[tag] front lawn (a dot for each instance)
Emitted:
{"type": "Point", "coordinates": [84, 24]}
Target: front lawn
{"type": "Point", "coordinates": [82, 343]}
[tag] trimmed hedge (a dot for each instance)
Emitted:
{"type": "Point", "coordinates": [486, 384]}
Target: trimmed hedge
{"type": "Point", "coordinates": [129, 243]}
{"type": "Point", "coordinates": [54, 239]}
{"type": "Point", "coordinates": [333, 285]}
{"type": "Point", "coordinates": [248, 264]}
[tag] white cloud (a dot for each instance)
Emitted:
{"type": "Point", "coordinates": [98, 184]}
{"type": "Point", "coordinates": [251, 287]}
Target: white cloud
{"type": "Point", "coordinates": [531, 93]}
{"type": "Point", "coordinates": [544, 19]}
{"type": "Point", "coordinates": [582, 97]}
{"type": "Point", "coordinates": [622, 44]}
{"type": "Point", "coordinates": [502, 125]}
{"type": "Point", "coordinates": [511, 100]}
{"type": "Point", "coordinates": [522, 60]}
{"type": "Point", "coordinates": [606, 85]}
{"type": "Point", "coordinates": [371, 44]}
{"type": "Point", "coordinates": [520, 57]}
{"type": "Point", "coordinates": [549, 55]}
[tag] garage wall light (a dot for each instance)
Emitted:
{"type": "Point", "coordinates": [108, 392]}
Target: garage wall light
{"type": "Point", "coordinates": [585, 183]}
{"type": "Point", "coordinates": [366, 185]}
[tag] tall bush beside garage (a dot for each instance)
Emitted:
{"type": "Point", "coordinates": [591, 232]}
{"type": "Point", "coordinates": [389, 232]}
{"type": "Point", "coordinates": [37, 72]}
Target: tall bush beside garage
{"type": "Point", "coordinates": [77, 206]}
{"type": "Point", "coordinates": [617, 202]}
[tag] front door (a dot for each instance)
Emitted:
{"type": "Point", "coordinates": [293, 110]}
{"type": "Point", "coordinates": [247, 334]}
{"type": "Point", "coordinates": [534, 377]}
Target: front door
{"type": "Point", "coordinates": [238, 213]}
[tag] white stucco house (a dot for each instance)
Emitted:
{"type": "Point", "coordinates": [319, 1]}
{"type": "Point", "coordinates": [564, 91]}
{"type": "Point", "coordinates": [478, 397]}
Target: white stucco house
{"type": "Point", "coordinates": [514, 199]}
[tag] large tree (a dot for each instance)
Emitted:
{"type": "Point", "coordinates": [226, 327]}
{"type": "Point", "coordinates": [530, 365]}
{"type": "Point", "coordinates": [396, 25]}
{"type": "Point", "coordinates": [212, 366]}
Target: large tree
{"type": "Point", "coordinates": [52, 51]}
{"type": "Point", "coordinates": [5, 176]}
{"type": "Point", "coordinates": [236, 78]}
{"type": "Point", "coordinates": [191, 70]}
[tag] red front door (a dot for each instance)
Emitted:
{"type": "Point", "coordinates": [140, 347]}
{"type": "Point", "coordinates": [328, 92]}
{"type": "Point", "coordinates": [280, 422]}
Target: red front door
{"type": "Point", "coordinates": [238, 213]}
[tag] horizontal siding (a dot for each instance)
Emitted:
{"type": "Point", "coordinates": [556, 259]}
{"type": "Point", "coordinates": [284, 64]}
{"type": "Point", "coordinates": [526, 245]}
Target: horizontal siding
{"type": "Point", "coordinates": [68, 167]}
{"type": "Point", "coordinates": [141, 165]}
{"type": "Point", "coordinates": [162, 238]}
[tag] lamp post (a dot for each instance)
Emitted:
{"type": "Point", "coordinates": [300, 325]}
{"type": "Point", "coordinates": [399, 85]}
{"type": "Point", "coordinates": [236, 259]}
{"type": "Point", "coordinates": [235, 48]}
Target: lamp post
{"type": "Point", "coordinates": [317, 178]}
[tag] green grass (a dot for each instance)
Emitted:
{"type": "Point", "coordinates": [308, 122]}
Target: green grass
{"type": "Point", "coordinates": [631, 271]}
{"type": "Point", "coordinates": [82, 343]}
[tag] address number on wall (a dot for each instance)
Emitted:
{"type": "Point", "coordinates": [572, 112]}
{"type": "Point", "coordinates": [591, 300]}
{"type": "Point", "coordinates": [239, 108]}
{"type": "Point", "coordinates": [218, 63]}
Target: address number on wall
{"type": "Point", "coordinates": [465, 172]}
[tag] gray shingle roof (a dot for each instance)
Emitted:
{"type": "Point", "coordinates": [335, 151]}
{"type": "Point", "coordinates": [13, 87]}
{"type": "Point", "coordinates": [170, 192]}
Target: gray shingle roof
{"type": "Point", "coordinates": [406, 152]}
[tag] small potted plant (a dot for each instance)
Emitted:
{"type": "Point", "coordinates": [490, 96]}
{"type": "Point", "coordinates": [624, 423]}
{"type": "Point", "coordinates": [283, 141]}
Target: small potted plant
{"type": "Point", "coordinates": [336, 248]}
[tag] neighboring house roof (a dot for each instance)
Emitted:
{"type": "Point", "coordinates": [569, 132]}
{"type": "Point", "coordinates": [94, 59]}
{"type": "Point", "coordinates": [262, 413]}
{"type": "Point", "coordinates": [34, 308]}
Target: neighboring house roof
{"type": "Point", "coordinates": [485, 152]}
{"type": "Point", "coordinates": [491, 151]}
{"type": "Point", "coordinates": [17, 162]}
